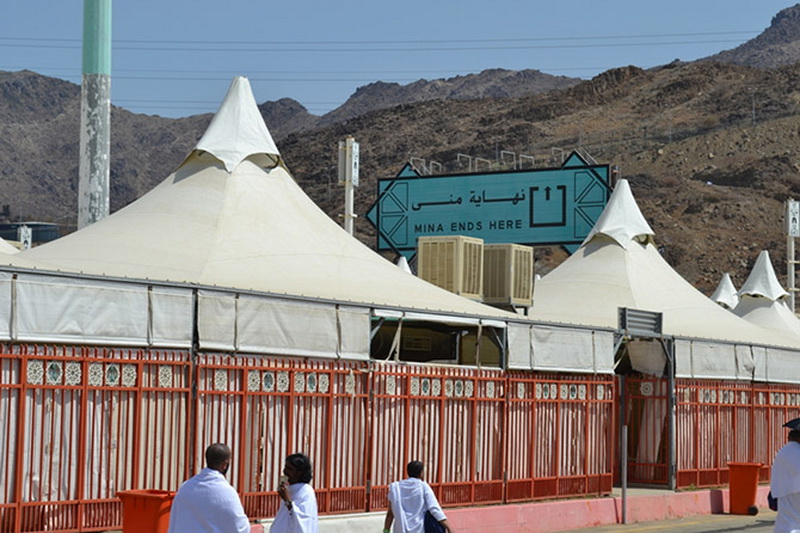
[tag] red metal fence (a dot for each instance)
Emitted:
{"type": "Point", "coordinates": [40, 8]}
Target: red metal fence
{"type": "Point", "coordinates": [83, 422]}
{"type": "Point", "coordinates": [717, 422]}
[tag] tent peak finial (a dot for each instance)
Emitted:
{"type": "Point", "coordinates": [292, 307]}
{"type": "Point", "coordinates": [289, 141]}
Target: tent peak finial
{"type": "Point", "coordinates": [762, 280]}
{"type": "Point", "coordinates": [621, 219]}
{"type": "Point", "coordinates": [726, 295]}
{"type": "Point", "coordinates": [237, 131]}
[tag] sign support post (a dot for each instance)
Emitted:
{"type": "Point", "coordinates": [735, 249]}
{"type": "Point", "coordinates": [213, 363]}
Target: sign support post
{"type": "Point", "coordinates": [348, 176]}
{"type": "Point", "coordinates": [792, 231]}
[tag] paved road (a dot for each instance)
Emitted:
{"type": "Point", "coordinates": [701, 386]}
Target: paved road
{"type": "Point", "coordinates": [719, 523]}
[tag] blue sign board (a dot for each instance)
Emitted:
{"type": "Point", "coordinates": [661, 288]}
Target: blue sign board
{"type": "Point", "coordinates": [535, 207]}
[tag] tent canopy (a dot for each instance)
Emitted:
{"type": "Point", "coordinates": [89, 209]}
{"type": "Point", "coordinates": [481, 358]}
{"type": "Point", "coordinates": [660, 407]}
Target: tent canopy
{"type": "Point", "coordinates": [617, 268]}
{"type": "Point", "coordinates": [232, 216]}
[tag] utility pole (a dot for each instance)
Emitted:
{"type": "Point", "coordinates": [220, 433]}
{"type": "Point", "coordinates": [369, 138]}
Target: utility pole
{"type": "Point", "coordinates": [95, 133]}
{"type": "Point", "coordinates": [348, 176]}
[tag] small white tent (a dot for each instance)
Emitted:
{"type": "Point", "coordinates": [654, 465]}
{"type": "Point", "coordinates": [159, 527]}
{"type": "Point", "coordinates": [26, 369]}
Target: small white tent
{"type": "Point", "coordinates": [725, 294]}
{"type": "Point", "coordinates": [619, 266]}
{"type": "Point", "coordinates": [763, 300]}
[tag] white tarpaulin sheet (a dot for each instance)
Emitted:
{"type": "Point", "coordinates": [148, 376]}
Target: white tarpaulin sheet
{"type": "Point", "coordinates": [5, 306]}
{"type": "Point", "coordinates": [519, 347]}
{"type": "Point", "coordinates": [648, 357]}
{"type": "Point", "coordinates": [712, 360]}
{"type": "Point", "coordinates": [171, 317]}
{"type": "Point", "coordinates": [759, 363]}
{"type": "Point", "coordinates": [745, 366]}
{"type": "Point", "coordinates": [284, 327]}
{"type": "Point", "coordinates": [55, 309]}
{"type": "Point", "coordinates": [216, 320]}
{"type": "Point", "coordinates": [560, 349]}
{"type": "Point", "coordinates": [683, 358]}
{"type": "Point", "coordinates": [709, 360]}
{"type": "Point", "coordinates": [783, 366]}
{"type": "Point", "coordinates": [354, 325]}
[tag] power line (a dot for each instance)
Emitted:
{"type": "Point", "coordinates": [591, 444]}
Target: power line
{"type": "Point", "coordinates": [76, 72]}
{"type": "Point", "coordinates": [370, 49]}
{"type": "Point", "coordinates": [402, 41]}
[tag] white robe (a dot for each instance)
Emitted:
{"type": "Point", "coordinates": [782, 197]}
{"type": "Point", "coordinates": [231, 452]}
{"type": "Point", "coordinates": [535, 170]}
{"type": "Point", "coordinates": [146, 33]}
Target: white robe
{"type": "Point", "coordinates": [207, 503]}
{"type": "Point", "coordinates": [303, 516]}
{"type": "Point", "coordinates": [410, 498]}
{"type": "Point", "coordinates": [785, 486]}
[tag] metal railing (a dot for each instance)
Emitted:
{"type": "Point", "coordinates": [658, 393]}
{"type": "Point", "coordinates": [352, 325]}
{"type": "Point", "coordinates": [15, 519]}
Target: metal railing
{"type": "Point", "coordinates": [717, 422]}
{"type": "Point", "coordinates": [81, 423]}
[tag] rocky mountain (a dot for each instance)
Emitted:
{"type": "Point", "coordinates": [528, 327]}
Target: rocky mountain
{"type": "Point", "coordinates": [711, 149]}
{"type": "Point", "coordinates": [776, 46]}
{"type": "Point", "coordinates": [494, 83]}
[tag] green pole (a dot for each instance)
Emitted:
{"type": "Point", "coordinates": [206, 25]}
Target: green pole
{"type": "Point", "coordinates": [97, 37]}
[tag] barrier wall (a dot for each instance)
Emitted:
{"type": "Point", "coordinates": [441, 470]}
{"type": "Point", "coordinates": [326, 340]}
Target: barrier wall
{"type": "Point", "coordinates": [717, 422]}
{"type": "Point", "coordinates": [84, 422]}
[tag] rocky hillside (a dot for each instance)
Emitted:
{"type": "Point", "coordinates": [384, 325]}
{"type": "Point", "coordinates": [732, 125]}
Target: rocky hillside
{"type": "Point", "coordinates": [494, 83]}
{"type": "Point", "coordinates": [710, 180]}
{"type": "Point", "coordinates": [778, 45]}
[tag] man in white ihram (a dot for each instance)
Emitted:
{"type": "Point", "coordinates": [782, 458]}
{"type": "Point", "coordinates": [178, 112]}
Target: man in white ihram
{"type": "Point", "coordinates": [785, 482]}
{"type": "Point", "coordinates": [207, 503]}
{"type": "Point", "coordinates": [409, 500]}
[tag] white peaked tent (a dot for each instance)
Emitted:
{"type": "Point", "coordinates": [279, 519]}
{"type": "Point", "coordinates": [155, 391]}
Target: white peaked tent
{"type": "Point", "coordinates": [763, 300]}
{"type": "Point", "coordinates": [725, 294]}
{"type": "Point", "coordinates": [619, 266]}
{"type": "Point", "coordinates": [275, 273]}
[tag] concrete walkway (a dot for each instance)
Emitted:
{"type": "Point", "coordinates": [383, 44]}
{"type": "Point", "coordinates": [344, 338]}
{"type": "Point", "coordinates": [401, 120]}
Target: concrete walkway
{"type": "Point", "coordinates": [643, 505]}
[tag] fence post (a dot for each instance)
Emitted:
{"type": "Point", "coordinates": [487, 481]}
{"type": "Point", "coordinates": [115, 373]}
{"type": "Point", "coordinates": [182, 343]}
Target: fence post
{"type": "Point", "coordinates": [23, 394]}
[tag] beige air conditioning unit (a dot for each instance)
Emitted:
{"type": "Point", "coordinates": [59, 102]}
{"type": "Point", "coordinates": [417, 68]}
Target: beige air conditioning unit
{"type": "Point", "coordinates": [508, 274]}
{"type": "Point", "coordinates": [452, 262]}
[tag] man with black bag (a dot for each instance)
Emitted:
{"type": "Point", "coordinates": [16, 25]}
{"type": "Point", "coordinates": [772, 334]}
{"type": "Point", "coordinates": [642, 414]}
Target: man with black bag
{"type": "Point", "coordinates": [413, 506]}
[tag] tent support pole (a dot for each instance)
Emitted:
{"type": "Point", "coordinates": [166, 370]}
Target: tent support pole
{"type": "Point", "coordinates": [672, 481]}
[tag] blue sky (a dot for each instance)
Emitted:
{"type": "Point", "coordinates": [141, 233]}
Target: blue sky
{"type": "Point", "coordinates": [176, 57]}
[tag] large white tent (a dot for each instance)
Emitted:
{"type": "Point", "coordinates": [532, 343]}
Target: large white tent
{"type": "Point", "coordinates": [229, 240]}
{"type": "Point", "coordinates": [619, 266]}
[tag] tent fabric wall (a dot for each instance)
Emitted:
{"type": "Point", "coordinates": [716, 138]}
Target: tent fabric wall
{"type": "Point", "coordinates": [216, 320]}
{"type": "Point", "coordinates": [265, 325]}
{"type": "Point", "coordinates": [745, 364]}
{"type": "Point", "coordinates": [6, 307]}
{"type": "Point", "coordinates": [647, 356]}
{"type": "Point", "coordinates": [519, 347]}
{"type": "Point", "coordinates": [759, 363]}
{"type": "Point", "coordinates": [283, 327]}
{"type": "Point", "coordinates": [54, 309]}
{"type": "Point", "coordinates": [782, 366]}
{"type": "Point", "coordinates": [560, 349]}
{"type": "Point", "coordinates": [354, 326]}
{"type": "Point", "coordinates": [709, 360]}
{"type": "Point", "coordinates": [171, 322]}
